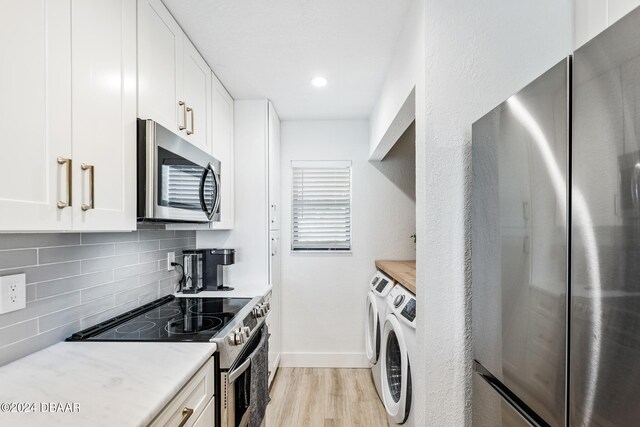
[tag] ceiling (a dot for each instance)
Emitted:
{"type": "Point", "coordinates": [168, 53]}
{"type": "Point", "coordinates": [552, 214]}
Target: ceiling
{"type": "Point", "coordinates": [273, 48]}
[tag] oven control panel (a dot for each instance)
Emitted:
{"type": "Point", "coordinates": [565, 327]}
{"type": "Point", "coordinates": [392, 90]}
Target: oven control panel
{"type": "Point", "coordinates": [249, 324]}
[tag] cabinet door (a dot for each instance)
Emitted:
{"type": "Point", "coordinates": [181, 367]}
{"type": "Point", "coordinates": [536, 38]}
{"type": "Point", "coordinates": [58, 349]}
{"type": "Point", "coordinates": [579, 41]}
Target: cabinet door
{"type": "Point", "coordinates": [275, 315]}
{"type": "Point", "coordinates": [222, 149]}
{"type": "Point", "coordinates": [35, 114]}
{"type": "Point", "coordinates": [160, 40]}
{"type": "Point", "coordinates": [104, 114]}
{"type": "Point", "coordinates": [196, 91]}
{"type": "Point", "coordinates": [274, 169]}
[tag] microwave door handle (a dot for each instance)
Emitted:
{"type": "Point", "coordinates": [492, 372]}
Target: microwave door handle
{"type": "Point", "coordinates": [216, 206]}
{"type": "Point", "coordinates": [203, 179]}
{"type": "Point", "coordinates": [233, 375]}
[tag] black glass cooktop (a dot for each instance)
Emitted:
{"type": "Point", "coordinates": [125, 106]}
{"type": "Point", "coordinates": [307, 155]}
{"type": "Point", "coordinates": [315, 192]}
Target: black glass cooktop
{"type": "Point", "coordinates": [167, 319]}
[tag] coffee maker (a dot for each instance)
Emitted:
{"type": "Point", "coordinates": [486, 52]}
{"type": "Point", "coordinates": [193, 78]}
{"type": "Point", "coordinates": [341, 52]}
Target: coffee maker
{"type": "Point", "coordinates": [213, 262]}
{"type": "Point", "coordinates": [192, 274]}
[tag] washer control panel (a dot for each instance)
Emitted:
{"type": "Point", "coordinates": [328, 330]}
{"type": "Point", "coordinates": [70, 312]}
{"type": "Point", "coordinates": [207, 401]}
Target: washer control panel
{"type": "Point", "coordinates": [409, 310]}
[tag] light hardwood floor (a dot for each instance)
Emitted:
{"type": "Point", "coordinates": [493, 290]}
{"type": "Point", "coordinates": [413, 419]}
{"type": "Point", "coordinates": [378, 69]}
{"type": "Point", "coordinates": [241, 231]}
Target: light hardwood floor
{"type": "Point", "coordinates": [313, 397]}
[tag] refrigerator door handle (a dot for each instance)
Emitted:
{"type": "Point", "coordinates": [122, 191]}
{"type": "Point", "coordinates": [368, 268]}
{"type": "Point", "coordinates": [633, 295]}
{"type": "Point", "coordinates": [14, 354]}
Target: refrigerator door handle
{"type": "Point", "coordinates": [508, 396]}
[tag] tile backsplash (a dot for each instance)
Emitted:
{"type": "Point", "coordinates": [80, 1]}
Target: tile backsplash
{"type": "Point", "coordinates": [77, 280]}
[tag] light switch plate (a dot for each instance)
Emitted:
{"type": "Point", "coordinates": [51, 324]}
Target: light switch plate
{"type": "Point", "coordinates": [13, 293]}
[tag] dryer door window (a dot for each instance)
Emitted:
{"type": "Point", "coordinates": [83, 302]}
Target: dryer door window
{"type": "Point", "coordinates": [394, 366]}
{"type": "Point", "coordinates": [372, 333]}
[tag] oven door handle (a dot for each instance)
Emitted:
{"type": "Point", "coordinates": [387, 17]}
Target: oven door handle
{"type": "Point", "coordinates": [233, 375]}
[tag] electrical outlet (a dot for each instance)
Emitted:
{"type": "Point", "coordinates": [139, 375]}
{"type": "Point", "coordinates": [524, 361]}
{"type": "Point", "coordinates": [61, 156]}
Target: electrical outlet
{"type": "Point", "coordinates": [171, 257]}
{"type": "Point", "coordinates": [13, 293]}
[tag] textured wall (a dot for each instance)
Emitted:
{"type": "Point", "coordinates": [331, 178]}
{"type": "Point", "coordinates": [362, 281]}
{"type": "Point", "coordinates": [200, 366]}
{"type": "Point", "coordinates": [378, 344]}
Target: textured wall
{"type": "Point", "coordinates": [477, 54]}
{"type": "Point", "coordinates": [323, 295]}
{"type": "Point", "coordinates": [77, 280]}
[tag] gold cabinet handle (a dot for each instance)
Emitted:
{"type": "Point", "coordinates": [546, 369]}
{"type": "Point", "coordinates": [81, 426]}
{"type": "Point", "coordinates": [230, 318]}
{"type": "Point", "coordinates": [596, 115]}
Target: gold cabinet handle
{"type": "Point", "coordinates": [183, 126]}
{"type": "Point", "coordinates": [91, 170]}
{"type": "Point", "coordinates": [190, 132]}
{"type": "Point", "coordinates": [67, 162]}
{"type": "Point", "coordinates": [186, 414]}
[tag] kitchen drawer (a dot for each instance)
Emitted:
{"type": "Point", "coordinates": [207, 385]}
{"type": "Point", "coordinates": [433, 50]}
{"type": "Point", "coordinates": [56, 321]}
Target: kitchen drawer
{"type": "Point", "coordinates": [207, 418]}
{"type": "Point", "coordinates": [195, 396]}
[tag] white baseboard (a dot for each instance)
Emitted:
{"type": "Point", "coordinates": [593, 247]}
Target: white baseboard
{"type": "Point", "coordinates": [324, 360]}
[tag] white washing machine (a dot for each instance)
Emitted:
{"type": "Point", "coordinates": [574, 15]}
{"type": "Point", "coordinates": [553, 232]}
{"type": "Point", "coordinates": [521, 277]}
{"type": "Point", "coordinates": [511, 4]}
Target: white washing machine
{"type": "Point", "coordinates": [398, 350]}
{"type": "Point", "coordinates": [379, 288]}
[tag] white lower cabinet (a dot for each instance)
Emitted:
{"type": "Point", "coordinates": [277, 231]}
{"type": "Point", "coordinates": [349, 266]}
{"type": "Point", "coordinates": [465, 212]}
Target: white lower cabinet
{"type": "Point", "coordinates": [194, 405]}
{"type": "Point", "coordinates": [207, 418]}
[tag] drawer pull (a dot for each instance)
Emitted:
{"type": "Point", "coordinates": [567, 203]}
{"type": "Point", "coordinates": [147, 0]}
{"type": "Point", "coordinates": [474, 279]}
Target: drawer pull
{"type": "Point", "coordinates": [67, 162]}
{"type": "Point", "coordinates": [190, 111]}
{"type": "Point", "coordinates": [186, 414]}
{"type": "Point", "coordinates": [183, 126]}
{"type": "Point", "coordinates": [91, 169]}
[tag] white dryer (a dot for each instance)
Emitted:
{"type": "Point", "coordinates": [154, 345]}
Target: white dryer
{"type": "Point", "coordinates": [398, 351]}
{"type": "Point", "coordinates": [379, 288]}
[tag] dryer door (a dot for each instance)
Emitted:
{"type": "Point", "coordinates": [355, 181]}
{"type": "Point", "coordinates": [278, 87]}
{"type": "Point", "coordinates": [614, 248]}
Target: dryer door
{"type": "Point", "coordinates": [372, 329]}
{"type": "Point", "coordinates": [396, 373]}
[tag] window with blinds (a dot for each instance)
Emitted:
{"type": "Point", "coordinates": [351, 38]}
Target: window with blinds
{"type": "Point", "coordinates": [321, 206]}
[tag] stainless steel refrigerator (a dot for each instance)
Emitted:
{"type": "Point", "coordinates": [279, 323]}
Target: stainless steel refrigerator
{"type": "Point", "coordinates": [556, 291]}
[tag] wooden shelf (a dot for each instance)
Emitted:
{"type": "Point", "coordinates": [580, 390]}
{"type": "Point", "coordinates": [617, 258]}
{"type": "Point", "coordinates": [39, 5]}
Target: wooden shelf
{"type": "Point", "coordinates": [402, 272]}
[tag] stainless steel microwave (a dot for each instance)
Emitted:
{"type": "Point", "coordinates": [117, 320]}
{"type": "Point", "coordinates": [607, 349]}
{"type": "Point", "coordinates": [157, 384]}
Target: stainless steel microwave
{"type": "Point", "coordinates": [177, 182]}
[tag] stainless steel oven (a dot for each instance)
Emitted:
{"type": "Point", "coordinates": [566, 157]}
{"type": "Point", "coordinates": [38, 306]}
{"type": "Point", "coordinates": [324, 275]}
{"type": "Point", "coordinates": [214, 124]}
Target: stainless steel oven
{"type": "Point", "coordinates": [177, 182]}
{"type": "Point", "coordinates": [236, 385]}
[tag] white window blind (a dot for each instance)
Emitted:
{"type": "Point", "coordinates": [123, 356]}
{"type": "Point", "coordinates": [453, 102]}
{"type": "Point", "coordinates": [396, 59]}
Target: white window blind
{"type": "Point", "coordinates": [321, 206]}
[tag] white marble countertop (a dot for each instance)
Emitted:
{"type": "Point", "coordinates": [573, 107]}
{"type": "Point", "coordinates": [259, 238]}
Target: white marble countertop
{"type": "Point", "coordinates": [240, 291]}
{"type": "Point", "coordinates": [112, 383]}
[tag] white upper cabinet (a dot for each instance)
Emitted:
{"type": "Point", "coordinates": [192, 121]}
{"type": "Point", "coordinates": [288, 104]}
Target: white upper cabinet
{"type": "Point", "coordinates": [274, 169]}
{"type": "Point", "coordinates": [222, 149]}
{"type": "Point", "coordinates": [196, 93]}
{"type": "Point", "coordinates": [174, 81]}
{"type": "Point", "coordinates": [104, 114]}
{"type": "Point", "coordinates": [160, 57]}
{"type": "Point", "coordinates": [35, 115]}
{"type": "Point", "coordinates": [68, 115]}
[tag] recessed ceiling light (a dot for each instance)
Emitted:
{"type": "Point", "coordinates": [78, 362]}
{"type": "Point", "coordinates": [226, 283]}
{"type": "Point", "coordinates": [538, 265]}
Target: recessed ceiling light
{"type": "Point", "coordinates": [319, 82]}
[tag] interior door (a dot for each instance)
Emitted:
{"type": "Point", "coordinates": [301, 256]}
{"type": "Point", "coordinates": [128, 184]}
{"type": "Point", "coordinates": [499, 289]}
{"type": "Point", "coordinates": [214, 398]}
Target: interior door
{"type": "Point", "coordinates": [196, 91]}
{"type": "Point", "coordinates": [159, 66]}
{"type": "Point", "coordinates": [104, 114]}
{"type": "Point", "coordinates": [35, 114]}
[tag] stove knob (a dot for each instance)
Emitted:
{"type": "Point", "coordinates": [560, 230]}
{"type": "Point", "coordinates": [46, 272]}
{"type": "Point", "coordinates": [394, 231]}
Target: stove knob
{"type": "Point", "coordinates": [268, 305]}
{"type": "Point", "coordinates": [239, 337]}
{"type": "Point", "coordinates": [236, 339]}
{"type": "Point", "coordinates": [247, 331]}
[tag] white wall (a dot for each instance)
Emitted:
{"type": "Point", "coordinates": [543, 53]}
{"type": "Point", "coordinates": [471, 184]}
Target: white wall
{"type": "Point", "coordinates": [593, 16]}
{"type": "Point", "coordinates": [477, 54]}
{"type": "Point", "coordinates": [323, 295]}
{"type": "Point", "coordinates": [395, 106]}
